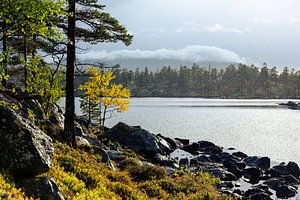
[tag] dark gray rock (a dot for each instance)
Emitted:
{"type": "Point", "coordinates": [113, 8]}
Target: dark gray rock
{"type": "Point", "coordinates": [285, 192]}
{"type": "Point", "coordinates": [262, 162]}
{"type": "Point", "coordinates": [174, 144]}
{"type": "Point", "coordinates": [183, 141]}
{"type": "Point", "coordinates": [209, 147]}
{"type": "Point", "coordinates": [201, 159]}
{"type": "Point", "coordinates": [293, 169]}
{"type": "Point", "coordinates": [239, 192]}
{"type": "Point", "coordinates": [184, 162]}
{"type": "Point", "coordinates": [193, 148]}
{"type": "Point", "coordinates": [25, 149]}
{"type": "Point", "coordinates": [78, 130]}
{"type": "Point", "coordinates": [57, 117]}
{"type": "Point", "coordinates": [251, 192]}
{"type": "Point", "coordinates": [278, 171]}
{"type": "Point", "coordinates": [165, 161]}
{"type": "Point", "coordinates": [240, 155]}
{"type": "Point", "coordinates": [35, 106]}
{"type": "Point", "coordinates": [115, 155]}
{"type": "Point", "coordinates": [105, 156]}
{"type": "Point", "coordinates": [290, 180]}
{"type": "Point", "coordinates": [139, 140]}
{"type": "Point", "coordinates": [261, 196]}
{"type": "Point", "coordinates": [226, 184]}
{"type": "Point", "coordinates": [253, 174]}
{"type": "Point", "coordinates": [274, 183]}
{"type": "Point", "coordinates": [82, 141]}
{"type": "Point", "coordinates": [43, 188]}
{"type": "Point", "coordinates": [92, 140]}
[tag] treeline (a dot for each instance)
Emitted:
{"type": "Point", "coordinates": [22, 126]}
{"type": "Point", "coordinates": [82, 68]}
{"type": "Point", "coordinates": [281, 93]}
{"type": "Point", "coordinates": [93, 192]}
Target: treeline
{"type": "Point", "coordinates": [236, 81]}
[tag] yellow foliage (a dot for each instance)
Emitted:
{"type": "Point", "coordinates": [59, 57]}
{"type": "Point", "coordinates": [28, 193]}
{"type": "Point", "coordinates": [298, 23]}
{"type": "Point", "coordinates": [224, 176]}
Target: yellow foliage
{"type": "Point", "coordinates": [109, 97]}
{"type": "Point", "coordinates": [8, 190]}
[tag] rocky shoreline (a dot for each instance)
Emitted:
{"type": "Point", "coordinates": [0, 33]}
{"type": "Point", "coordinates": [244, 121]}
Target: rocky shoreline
{"type": "Point", "coordinates": [264, 181]}
{"type": "Point", "coordinates": [26, 150]}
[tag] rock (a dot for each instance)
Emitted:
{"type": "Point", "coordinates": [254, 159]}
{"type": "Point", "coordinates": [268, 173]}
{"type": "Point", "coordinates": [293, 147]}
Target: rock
{"type": "Point", "coordinates": [174, 144]}
{"type": "Point", "coordinates": [57, 117]}
{"type": "Point", "coordinates": [78, 130]}
{"type": "Point", "coordinates": [115, 155]}
{"type": "Point", "coordinates": [226, 184]}
{"type": "Point", "coordinates": [209, 147]}
{"type": "Point", "coordinates": [201, 158]}
{"type": "Point", "coordinates": [251, 192]}
{"type": "Point", "coordinates": [54, 131]}
{"type": "Point", "coordinates": [215, 159]}
{"type": "Point", "coordinates": [293, 169]}
{"type": "Point", "coordinates": [25, 149]}
{"type": "Point", "coordinates": [193, 148]}
{"type": "Point", "coordinates": [253, 174]}
{"type": "Point", "coordinates": [105, 156]}
{"type": "Point", "coordinates": [139, 140]}
{"type": "Point", "coordinates": [43, 188]}
{"type": "Point", "coordinates": [216, 172]}
{"type": "Point", "coordinates": [274, 183]}
{"type": "Point", "coordinates": [240, 155]}
{"type": "Point", "coordinates": [165, 161]}
{"type": "Point", "coordinates": [229, 177]}
{"type": "Point", "coordinates": [278, 171]}
{"type": "Point", "coordinates": [92, 140]}
{"type": "Point", "coordinates": [221, 174]}
{"type": "Point", "coordinates": [265, 188]}
{"type": "Point", "coordinates": [83, 121]}
{"type": "Point", "coordinates": [82, 141]}
{"type": "Point", "coordinates": [290, 180]}
{"type": "Point", "coordinates": [184, 162]}
{"type": "Point", "coordinates": [239, 192]}
{"type": "Point", "coordinates": [261, 196]}
{"type": "Point", "coordinates": [35, 106]}
{"type": "Point", "coordinates": [183, 141]}
{"type": "Point", "coordinates": [262, 162]}
{"type": "Point", "coordinates": [285, 192]}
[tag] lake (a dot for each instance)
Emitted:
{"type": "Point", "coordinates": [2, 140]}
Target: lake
{"type": "Point", "coordinates": [256, 127]}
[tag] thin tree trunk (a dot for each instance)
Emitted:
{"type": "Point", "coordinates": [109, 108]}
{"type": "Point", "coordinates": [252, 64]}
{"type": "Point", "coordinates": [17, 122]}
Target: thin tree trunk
{"type": "Point", "coordinates": [4, 53]}
{"type": "Point", "coordinates": [70, 98]}
{"type": "Point", "coordinates": [25, 60]}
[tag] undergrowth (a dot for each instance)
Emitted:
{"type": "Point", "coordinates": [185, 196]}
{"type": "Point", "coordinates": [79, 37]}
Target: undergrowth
{"type": "Point", "coordinates": [80, 175]}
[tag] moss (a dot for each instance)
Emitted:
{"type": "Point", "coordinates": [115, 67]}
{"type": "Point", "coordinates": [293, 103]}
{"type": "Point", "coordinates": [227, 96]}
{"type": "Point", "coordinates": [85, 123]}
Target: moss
{"type": "Point", "coordinates": [8, 189]}
{"type": "Point", "coordinates": [81, 175]}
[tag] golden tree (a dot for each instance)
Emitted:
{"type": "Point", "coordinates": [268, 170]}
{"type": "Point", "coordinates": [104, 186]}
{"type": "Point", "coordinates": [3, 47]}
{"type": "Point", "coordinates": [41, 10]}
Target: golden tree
{"type": "Point", "coordinates": [108, 97]}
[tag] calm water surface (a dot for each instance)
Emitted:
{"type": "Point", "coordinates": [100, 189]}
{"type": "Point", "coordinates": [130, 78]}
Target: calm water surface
{"type": "Point", "coordinates": [256, 127]}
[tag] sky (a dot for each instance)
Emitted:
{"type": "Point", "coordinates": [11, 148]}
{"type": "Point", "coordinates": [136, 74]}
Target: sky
{"type": "Point", "coordinates": [246, 31]}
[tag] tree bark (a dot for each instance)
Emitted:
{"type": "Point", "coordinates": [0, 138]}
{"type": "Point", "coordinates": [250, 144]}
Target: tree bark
{"type": "Point", "coordinates": [25, 60]}
{"type": "Point", "coordinates": [4, 53]}
{"type": "Point", "coordinates": [71, 58]}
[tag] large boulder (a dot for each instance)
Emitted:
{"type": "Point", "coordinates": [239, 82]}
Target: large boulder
{"type": "Point", "coordinates": [43, 188]}
{"type": "Point", "coordinates": [25, 149]}
{"type": "Point", "coordinates": [262, 162]}
{"type": "Point", "coordinates": [139, 140]}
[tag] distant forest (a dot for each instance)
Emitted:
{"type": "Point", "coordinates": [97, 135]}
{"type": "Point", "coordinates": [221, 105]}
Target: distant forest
{"type": "Point", "coordinates": [235, 81]}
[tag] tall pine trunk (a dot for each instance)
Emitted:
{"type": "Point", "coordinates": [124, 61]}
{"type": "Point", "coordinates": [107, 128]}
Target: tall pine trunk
{"type": "Point", "coordinates": [71, 58]}
{"type": "Point", "coordinates": [4, 53]}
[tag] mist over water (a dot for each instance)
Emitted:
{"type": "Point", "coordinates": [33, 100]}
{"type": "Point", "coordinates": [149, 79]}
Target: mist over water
{"type": "Point", "coordinates": [256, 127]}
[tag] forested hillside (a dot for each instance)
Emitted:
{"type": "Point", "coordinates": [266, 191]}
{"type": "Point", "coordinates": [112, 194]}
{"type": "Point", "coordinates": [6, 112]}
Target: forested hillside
{"type": "Point", "coordinates": [236, 81]}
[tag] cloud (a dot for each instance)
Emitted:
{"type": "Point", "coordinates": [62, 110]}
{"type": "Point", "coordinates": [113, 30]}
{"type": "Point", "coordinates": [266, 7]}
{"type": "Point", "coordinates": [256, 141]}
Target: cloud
{"type": "Point", "coordinates": [294, 20]}
{"type": "Point", "coordinates": [194, 53]}
{"type": "Point", "coordinates": [196, 27]}
{"type": "Point", "coordinates": [220, 28]}
{"type": "Point", "coordinates": [263, 20]}
{"type": "Point", "coordinates": [189, 27]}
